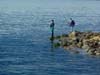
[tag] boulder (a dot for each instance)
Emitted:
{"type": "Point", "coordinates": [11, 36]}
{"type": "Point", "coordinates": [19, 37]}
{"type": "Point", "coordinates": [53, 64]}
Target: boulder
{"type": "Point", "coordinates": [91, 52]}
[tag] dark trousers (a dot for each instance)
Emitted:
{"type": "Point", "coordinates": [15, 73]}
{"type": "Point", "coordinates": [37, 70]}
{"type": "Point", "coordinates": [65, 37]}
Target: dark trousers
{"type": "Point", "coordinates": [52, 35]}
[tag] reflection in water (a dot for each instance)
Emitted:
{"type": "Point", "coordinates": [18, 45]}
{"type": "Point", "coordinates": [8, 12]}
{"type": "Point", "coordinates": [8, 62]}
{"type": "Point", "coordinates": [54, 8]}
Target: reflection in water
{"type": "Point", "coordinates": [52, 51]}
{"type": "Point", "coordinates": [52, 39]}
{"type": "Point", "coordinates": [52, 45]}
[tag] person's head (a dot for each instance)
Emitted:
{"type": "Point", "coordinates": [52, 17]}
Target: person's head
{"type": "Point", "coordinates": [52, 20]}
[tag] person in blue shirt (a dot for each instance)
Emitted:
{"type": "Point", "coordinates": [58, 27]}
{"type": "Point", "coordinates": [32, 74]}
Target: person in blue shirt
{"type": "Point", "coordinates": [52, 24]}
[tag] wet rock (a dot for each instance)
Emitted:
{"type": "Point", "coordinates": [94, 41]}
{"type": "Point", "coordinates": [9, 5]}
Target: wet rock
{"type": "Point", "coordinates": [97, 52]}
{"type": "Point", "coordinates": [80, 44]}
{"type": "Point", "coordinates": [74, 35]}
{"type": "Point", "coordinates": [91, 51]}
{"type": "Point", "coordinates": [57, 37]}
{"type": "Point", "coordinates": [86, 48]}
{"type": "Point", "coordinates": [65, 42]}
{"type": "Point", "coordinates": [56, 45]}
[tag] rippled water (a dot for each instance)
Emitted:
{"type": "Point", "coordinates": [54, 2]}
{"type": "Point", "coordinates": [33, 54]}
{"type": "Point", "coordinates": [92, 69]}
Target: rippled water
{"type": "Point", "coordinates": [25, 48]}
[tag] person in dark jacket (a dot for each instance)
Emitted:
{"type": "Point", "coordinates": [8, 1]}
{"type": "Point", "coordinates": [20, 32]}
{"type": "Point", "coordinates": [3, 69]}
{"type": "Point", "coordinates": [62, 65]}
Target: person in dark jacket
{"type": "Point", "coordinates": [72, 24]}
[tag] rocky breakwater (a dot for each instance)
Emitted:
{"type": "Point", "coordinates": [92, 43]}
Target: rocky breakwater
{"type": "Point", "coordinates": [88, 41]}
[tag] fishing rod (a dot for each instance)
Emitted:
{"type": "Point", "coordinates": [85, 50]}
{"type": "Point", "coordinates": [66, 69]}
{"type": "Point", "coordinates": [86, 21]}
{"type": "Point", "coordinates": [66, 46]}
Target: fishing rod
{"type": "Point", "coordinates": [63, 15]}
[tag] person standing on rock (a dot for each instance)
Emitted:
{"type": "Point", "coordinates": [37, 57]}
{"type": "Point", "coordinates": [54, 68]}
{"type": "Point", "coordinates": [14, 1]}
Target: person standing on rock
{"type": "Point", "coordinates": [72, 24]}
{"type": "Point", "coordinates": [52, 24]}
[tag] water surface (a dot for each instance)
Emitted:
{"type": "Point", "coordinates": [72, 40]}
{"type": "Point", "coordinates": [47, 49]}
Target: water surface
{"type": "Point", "coordinates": [25, 48]}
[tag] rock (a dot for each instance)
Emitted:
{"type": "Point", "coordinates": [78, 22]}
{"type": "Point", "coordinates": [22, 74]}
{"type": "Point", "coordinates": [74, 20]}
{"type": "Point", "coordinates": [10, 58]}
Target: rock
{"type": "Point", "coordinates": [64, 41]}
{"type": "Point", "coordinates": [89, 41]}
{"type": "Point", "coordinates": [98, 54]}
{"type": "Point", "coordinates": [99, 43]}
{"type": "Point", "coordinates": [65, 35]}
{"type": "Point", "coordinates": [85, 47]}
{"type": "Point", "coordinates": [57, 37]}
{"type": "Point", "coordinates": [96, 38]}
{"type": "Point", "coordinates": [72, 35]}
{"type": "Point", "coordinates": [92, 52]}
{"type": "Point", "coordinates": [97, 51]}
{"type": "Point", "coordinates": [80, 44]}
{"type": "Point", "coordinates": [56, 44]}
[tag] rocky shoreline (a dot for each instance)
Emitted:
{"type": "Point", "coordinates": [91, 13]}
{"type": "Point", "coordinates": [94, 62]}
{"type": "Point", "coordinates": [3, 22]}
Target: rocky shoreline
{"type": "Point", "coordinates": [88, 41]}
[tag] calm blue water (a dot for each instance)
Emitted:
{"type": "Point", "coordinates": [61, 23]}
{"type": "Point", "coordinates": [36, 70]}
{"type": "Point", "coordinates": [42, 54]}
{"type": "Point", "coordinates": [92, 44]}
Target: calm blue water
{"type": "Point", "coordinates": [25, 48]}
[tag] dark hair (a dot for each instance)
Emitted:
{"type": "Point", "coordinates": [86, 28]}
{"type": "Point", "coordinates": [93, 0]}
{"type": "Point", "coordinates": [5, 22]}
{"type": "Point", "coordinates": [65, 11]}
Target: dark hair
{"type": "Point", "coordinates": [52, 20]}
